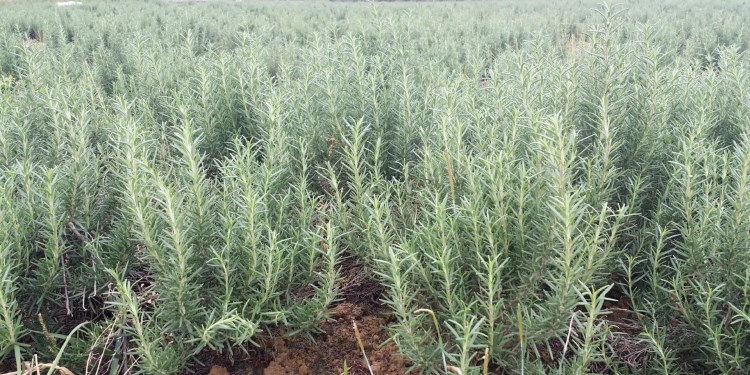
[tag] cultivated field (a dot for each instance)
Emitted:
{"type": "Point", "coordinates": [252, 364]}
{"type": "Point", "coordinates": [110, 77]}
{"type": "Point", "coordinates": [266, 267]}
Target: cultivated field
{"type": "Point", "coordinates": [510, 187]}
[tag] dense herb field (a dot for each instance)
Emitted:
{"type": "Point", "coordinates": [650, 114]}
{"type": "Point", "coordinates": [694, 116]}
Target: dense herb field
{"type": "Point", "coordinates": [511, 187]}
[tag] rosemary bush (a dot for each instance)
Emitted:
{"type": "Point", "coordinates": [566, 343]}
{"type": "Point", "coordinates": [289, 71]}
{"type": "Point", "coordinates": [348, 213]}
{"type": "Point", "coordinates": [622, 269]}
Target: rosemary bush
{"type": "Point", "coordinates": [538, 188]}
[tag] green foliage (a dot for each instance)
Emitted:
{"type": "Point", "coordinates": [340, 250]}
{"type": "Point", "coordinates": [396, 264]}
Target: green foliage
{"type": "Point", "coordinates": [539, 188]}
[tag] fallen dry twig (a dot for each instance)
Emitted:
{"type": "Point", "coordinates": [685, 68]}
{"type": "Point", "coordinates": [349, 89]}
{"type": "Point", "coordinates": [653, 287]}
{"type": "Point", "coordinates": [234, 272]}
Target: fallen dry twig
{"type": "Point", "coordinates": [29, 370]}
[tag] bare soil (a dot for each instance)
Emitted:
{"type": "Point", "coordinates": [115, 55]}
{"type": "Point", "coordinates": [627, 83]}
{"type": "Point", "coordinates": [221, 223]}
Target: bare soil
{"type": "Point", "coordinates": [326, 353]}
{"type": "Point", "coordinates": [338, 346]}
{"type": "Point", "coordinates": [329, 351]}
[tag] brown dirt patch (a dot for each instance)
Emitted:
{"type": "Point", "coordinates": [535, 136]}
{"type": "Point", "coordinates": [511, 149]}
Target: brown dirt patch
{"type": "Point", "coordinates": [326, 352]}
{"type": "Point", "coordinates": [337, 345]}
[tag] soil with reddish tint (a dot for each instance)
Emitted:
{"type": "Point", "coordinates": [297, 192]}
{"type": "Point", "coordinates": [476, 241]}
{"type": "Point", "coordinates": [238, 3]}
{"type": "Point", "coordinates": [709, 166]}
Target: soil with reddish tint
{"type": "Point", "coordinates": [338, 345]}
{"type": "Point", "coordinates": [326, 353]}
{"type": "Point", "coordinates": [329, 350]}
